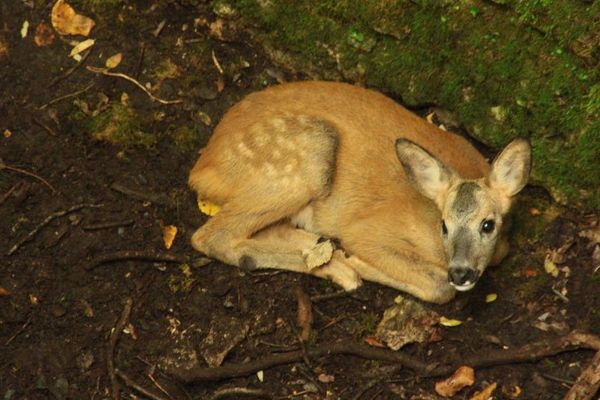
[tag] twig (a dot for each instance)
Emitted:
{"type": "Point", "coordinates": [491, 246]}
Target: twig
{"type": "Point", "coordinates": [67, 96]}
{"type": "Point", "coordinates": [135, 386]}
{"type": "Point", "coordinates": [199, 374]}
{"type": "Point", "coordinates": [527, 353]}
{"type": "Point", "coordinates": [328, 296]}
{"type": "Point", "coordinates": [107, 225]}
{"type": "Point", "coordinates": [144, 255]}
{"type": "Point", "coordinates": [105, 72]}
{"type": "Point", "coordinates": [24, 172]}
{"type": "Point", "coordinates": [44, 126]}
{"type": "Point", "coordinates": [240, 391]}
{"type": "Point", "coordinates": [71, 70]}
{"type": "Point", "coordinates": [217, 64]}
{"type": "Point", "coordinates": [588, 383]}
{"type": "Point", "coordinates": [46, 221]}
{"type": "Point", "coordinates": [112, 344]}
{"type": "Point", "coordinates": [9, 192]}
{"type": "Point", "coordinates": [136, 194]}
{"type": "Point", "coordinates": [17, 333]}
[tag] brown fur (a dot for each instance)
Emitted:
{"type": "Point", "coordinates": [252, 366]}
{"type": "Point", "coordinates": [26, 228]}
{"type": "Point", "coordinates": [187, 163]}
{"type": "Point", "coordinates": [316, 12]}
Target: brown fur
{"type": "Point", "coordinates": [300, 161]}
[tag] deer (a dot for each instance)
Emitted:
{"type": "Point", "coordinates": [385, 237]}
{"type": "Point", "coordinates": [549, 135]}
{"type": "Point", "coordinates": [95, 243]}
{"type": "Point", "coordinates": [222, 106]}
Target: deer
{"type": "Point", "coordinates": [343, 183]}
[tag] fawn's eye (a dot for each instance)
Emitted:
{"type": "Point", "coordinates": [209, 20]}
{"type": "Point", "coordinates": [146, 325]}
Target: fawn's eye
{"type": "Point", "coordinates": [488, 226]}
{"type": "Point", "coordinates": [444, 228]}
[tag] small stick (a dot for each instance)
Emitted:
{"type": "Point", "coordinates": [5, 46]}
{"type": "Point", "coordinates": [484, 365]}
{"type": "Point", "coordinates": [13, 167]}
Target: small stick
{"type": "Point", "coordinates": [46, 221]}
{"type": "Point", "coordinates": [105, 72]}
{"type": "Point", "coordinates": [217, 64]}
{"type": "Point", "coordinates": [107, 225]}
{"type": "Point", "coordinates": [135, 386]}
{"type": "Point", "coordinates": [112, 344]}
{"type": "Point", "coordinates": [136, 194]}
{"type": "Point", "coordinates": [44, 126]}
{"type": "Point", "coordinates": [133, 255]}
{"type": "Point", "coordinates": [587, 383]}
{"type": "Point", "coordinates": [239, 391]}
{"type": "Point", "coordinates": [17, 333]}
{"type": "Point", "coordinates": [67, 96]}
{"type": "Point", "coordinates": [9, 192]}
{"type": "Point", "coordinates": [71, 70]}
{"type": "Point", "coordinates": [24, 172]}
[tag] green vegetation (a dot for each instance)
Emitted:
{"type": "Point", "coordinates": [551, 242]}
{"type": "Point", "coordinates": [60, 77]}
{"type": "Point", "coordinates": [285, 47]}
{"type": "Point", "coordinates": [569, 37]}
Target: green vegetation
{"type": "Point", "coordinates": [506, 68]}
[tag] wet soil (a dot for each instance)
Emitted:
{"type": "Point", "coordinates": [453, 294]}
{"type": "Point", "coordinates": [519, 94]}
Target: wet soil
{"type": "Point", "coordinates": [57, 313]}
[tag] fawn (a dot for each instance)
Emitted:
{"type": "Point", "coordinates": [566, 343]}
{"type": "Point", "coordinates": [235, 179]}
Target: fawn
{"type": "Point", "coordinates": [297, 165]}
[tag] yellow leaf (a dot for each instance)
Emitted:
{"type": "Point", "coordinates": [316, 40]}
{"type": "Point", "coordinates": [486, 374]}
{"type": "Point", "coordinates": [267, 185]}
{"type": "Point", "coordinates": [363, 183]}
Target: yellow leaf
{"type": "Point", "coordinates": [491, 297]}
{"type": "Point", "coordinates": [449, 322]}
{"type": "Point", "coordinates": [7, 133]}
{"type": "Point", "coordinates": [208, 208]}
{"type": "Point", "coordinates": [485, 394]}
{"type": "Point", "coordinates": [462, 377]}
{"type": "Point", "coordinates": [550, 267]}
{"type": "Point", "coordinates": [114, 61]}
{"type": "Point", "coordinates": [81, 47]}
{"type": "Point", "coordinates": [67, 22]}
{"type": "Point", "coordinates": [169, 233]}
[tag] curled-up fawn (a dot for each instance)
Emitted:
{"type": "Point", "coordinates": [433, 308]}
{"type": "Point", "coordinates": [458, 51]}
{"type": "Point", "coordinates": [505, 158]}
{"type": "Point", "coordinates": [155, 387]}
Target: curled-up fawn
{"type": "Point", "coordinates": [413, 207]}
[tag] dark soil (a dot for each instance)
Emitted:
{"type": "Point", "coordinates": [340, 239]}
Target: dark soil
{"type": "Point", "coordinates": [56, 314]}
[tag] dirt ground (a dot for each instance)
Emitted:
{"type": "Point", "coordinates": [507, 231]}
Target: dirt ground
{"type": "Point", "coordinates": [85, 194]}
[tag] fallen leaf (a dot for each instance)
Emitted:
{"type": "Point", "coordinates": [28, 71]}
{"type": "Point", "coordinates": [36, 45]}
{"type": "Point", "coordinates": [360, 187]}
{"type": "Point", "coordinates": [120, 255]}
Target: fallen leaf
{"type": "Point", "coordinates": [304, 316]}
{"type": "Point", "coordinates": [462, 377]}
{"type": "Point", "coordinates": [486, 393]}
{"type": "Point", "coordinates": [169, 233]}
{"type": "Point", "coordinates": [325, 378]}
{"type": "Point", "coordinates": [534, 212]}
{"type": "Point", "coordinates": [4, 292]}
{"type": "Point", "coordinates": [592, 234]}
{"type": "Point", "coordinates": [550, 266]}
{"type": "Point", "coordinates": [429, 117]}
{"type": "Point", "coordinates": [204, 118]}
{"type": "Point", "coordinates": [24, 29]}
{"type": "Point", "coordinates": [372, 341]}
{"type": "Point", "coordinates": [34, 300]}
{"type": "Point", "coordinates": [114, 61]}
{"type": "Point", "coordinates": [3, 49]}
{"type": "Point", "coordinates": [44, 35]}
{"type": "Point", "coordinates": [7, 133]}
{"type": "Point", "coordinates": [81, 47]}
{"type": "Point", "coordinates": [491, 297]}
{"type": "Point", "coordinates": [516, 392]}
{"type": "Point", "coordinates": [260, 375]}
{"type": "Point", "coordinates": [223, 335]}
{"type": "Point", "coordinates": [208, 208]}
{"type": "Point", "coordinates": [220, 83]}
{"type": "Point", "coordinates": [529, 272]}
{"type": "Point", "coordinates": [449, 322]}
{"type": "Point", "coordinates": [405, 322]}
{"type": "Point", "coordinates": [67, 22]}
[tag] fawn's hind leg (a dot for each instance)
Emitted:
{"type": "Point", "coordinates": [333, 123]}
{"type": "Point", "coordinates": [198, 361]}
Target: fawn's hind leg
{"type": "Point", "coordinates": [264, 190]}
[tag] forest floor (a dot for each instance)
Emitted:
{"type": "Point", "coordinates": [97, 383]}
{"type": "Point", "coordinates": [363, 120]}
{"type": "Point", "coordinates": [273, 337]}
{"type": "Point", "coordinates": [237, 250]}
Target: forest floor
{"type": "Point", "coordinates": [93, 173]}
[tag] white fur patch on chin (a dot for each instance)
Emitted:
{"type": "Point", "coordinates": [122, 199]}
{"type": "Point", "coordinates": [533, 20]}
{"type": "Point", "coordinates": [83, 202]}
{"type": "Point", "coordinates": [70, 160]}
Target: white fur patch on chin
{"type": "Point", "coordinates": [464, 288]}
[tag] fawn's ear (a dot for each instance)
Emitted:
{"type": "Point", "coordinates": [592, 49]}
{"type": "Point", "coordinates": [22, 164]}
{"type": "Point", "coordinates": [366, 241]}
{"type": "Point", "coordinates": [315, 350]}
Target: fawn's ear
{"type": "Point", "coordinates": [430, 176]}
{"type": "Point", "coordinates": [510, 169]}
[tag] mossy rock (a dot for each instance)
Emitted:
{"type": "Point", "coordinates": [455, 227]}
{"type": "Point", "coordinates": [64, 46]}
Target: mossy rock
{"type": "Point", "coordinates": [506, 68]}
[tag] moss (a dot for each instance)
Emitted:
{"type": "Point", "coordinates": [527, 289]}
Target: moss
{"type": "Point", "coordinates": [188, 139]}
{"type": "Point", "coordinates": [474, 58]}
{"type": "Point", "coordinates": [118, 124]}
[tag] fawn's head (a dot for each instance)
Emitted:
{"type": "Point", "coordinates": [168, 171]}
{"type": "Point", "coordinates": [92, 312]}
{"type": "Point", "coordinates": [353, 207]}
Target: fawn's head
{"type": "Point", "coordinates": [471, 210]}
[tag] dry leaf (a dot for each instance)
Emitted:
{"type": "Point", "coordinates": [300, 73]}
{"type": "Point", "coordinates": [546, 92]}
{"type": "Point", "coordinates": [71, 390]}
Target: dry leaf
{"type": "Point", "coordinates": [208, 208]}
{"type": "Point", "coordinates": [464, 376]}
{"type": "Point", "coordinates": [305, 316]}
{"type": "Point", "coordinates": [325, 378]}
{"type": "Point", "coordinates": [3, 49]}
{"type": "Point", "coordinates": [491, 297]}
{"type": "Point", "coordinates": [485, 394]}
{"type": "Point", "coordinates": [24, 29]}
{"type": "Point", "coordinates": [67, 22]}
{"type": "Point", "coordinates": [529, 272]}
{"type": "Point", "coordinates": [169, 233]}
{"type": "Point", "coordinates": [534, 212]}
{"type": "Point", "coordinates": [372, 341]}
{"type": "Point", "coordinates": [550, 266]}
{"type": "Point", "coordinates": [449, 322]}
{"type": "Point", "coordinates": [114, 61]}
{"type": "Point", "coordinates": [81, 47]}
{"type": "Point", "coordinates": [260, 375]}
{"type": "Point", "coordinates": [4, 292]}
{"type": "Point", "coordinates": [44, 35]}
{"type": "Point", "coordinates": [7, 133]}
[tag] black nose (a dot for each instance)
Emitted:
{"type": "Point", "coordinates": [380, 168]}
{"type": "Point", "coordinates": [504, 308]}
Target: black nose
{"type": "Point", "coordinates": [461, 275]}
